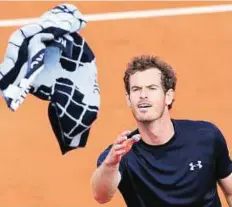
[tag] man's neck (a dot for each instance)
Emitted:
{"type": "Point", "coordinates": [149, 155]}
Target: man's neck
{"type": "Point", "coordinates": [157, 132]}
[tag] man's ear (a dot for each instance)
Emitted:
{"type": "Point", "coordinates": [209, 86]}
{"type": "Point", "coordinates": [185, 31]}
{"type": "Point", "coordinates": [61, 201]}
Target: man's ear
{"type": "Point", "coordinates": [169, 96]}
{"type": "Point", "coordinates": [128, 100]}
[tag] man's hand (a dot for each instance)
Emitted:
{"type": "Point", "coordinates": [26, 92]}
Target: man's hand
{"type": "Point", "coordinates": [121, 146]}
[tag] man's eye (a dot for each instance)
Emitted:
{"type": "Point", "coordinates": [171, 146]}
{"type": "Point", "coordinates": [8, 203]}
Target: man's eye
{"type": "Point", "coordinates": [135, 89]}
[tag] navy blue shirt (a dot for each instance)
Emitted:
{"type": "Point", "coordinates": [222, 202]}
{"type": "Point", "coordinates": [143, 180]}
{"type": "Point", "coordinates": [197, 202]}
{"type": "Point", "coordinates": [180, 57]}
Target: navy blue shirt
{"type": "Point", "coordinates": [180, 173]}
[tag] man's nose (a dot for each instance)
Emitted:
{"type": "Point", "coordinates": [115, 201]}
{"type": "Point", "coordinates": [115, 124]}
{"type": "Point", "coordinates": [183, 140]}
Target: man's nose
{"type": "Point", "coordinates": [143, 93]}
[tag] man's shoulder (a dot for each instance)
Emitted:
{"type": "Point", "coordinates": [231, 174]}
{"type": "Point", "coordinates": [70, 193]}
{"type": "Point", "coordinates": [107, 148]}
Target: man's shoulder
{"type": "Point", "coordinates": [103, 155]}
{"type": "Point", "coordinates": [106, 150]}
{"type": "Point", "coordinates": [195, 124]}
{"type": "Point", "coordinates": [200, 129]}
{"type": "Point", "coordinates": [199, 133]}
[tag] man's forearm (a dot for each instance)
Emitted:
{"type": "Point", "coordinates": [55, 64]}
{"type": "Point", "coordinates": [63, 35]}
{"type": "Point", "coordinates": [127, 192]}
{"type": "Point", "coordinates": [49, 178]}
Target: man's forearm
{"type": "Point", "coordinates": [105, 181]}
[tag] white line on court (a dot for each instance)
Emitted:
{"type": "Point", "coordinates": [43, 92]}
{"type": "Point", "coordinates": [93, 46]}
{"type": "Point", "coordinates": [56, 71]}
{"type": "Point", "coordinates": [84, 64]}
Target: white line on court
{"type": "Point", "coordinates": [134, 14]}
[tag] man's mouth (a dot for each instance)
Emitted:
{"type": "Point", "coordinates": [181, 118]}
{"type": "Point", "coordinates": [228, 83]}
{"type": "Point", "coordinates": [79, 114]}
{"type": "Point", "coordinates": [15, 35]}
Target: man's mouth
{"type": "Point", "coordinates": [144, 105]}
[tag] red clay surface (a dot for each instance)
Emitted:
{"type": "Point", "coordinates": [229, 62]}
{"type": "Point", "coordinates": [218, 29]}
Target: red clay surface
{"type": "Point", "coordinates": [35, 174]}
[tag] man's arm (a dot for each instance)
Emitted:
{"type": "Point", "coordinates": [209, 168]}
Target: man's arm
{"type": "Point", "coordinates": [226, 186]}
{"type": "Point", "coordinates": [106, 177]}
{"type": "Point", "coordinates": [223, 165]}
{"type": "Point", "coordinates": [105, 181]}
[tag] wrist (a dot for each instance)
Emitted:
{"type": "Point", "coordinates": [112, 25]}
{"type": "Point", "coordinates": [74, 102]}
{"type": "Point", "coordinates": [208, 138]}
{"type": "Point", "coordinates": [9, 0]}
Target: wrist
{"type": "Point", "coordinates": [110, 165]}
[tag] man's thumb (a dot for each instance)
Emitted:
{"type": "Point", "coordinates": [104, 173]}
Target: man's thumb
{"type": "Point", "coordinates": [135, 138]}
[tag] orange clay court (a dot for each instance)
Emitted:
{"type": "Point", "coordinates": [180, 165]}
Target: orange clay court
{"type": "Point", "coordinates": [33, 171]}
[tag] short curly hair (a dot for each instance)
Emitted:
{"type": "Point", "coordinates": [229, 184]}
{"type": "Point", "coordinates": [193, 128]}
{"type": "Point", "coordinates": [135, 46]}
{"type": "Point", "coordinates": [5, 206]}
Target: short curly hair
{"type": "Point", "coordinates": [145, 62]}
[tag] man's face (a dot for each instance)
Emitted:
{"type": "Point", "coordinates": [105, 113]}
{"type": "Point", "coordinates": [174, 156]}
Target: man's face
{"type": "Point", "coordinates": [147, 98]}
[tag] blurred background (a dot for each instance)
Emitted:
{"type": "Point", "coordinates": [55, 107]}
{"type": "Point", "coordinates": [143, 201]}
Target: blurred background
{"type": "Point", "coordinates": [199, 47]}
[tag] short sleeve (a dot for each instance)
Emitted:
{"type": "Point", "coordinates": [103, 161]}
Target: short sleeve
{"type": "Point", "coordinates": [222, 158]}
{"type": "Point", "coordinates": [104, 154]}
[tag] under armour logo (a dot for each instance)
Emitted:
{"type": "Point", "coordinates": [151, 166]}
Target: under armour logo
{"type": "Point", "coordinates": [193, 166]}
